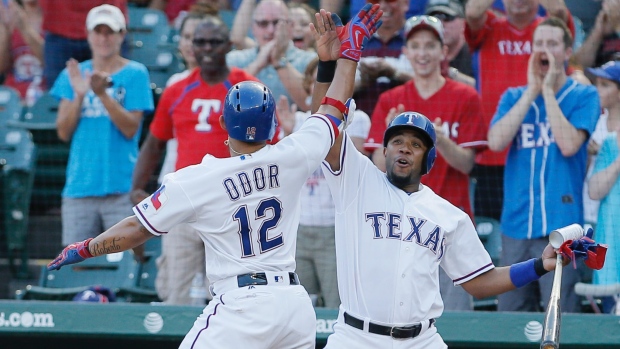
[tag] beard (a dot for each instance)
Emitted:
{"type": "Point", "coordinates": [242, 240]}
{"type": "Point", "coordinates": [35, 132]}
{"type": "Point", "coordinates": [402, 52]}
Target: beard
{"type": "Point", "coordinates": [399, 181]}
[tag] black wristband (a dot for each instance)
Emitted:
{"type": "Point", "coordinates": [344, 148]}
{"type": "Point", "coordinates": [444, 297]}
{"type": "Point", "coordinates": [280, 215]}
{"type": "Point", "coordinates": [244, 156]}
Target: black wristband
{"type": "Point", "coordinates": [326, 71]}
{"type": "Point", "coordinates": [539, 268]}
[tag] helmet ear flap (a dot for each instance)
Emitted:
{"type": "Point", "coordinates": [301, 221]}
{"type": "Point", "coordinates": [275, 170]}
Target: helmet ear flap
{"type": "Point", "coordinates": [431, 155]}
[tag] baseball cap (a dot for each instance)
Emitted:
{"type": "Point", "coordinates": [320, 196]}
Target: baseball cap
{"type": "Point", "coordinates": [450, 7]}
{"type": "Point", "coordinates": [108, 15]}
{"type": "Point", "coordinates": [609, 71]}
{"type": "Point", "coordinates": [416, 23]}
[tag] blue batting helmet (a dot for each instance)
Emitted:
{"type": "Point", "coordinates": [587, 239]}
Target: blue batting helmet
{"type": "Point", "coordinates": [416, 121]}
{"type": "Point", "coordinates": [250, 112]}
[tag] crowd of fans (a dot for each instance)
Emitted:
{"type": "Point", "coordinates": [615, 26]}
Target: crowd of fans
{"type": "Point", "coordinates": [526, 123]}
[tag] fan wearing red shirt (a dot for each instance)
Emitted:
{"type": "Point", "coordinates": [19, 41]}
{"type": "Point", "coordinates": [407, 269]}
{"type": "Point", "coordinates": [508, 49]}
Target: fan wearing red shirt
{"type": "Point", "coordinates": [189, 111]}
{"type": "Point", "coordinates": [455, 110]}
{"type": "Point", "coordinates": [501, 48]}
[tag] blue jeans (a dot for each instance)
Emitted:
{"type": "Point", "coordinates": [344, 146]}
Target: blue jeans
{"type": "Point", "coordinates": [57, 51]}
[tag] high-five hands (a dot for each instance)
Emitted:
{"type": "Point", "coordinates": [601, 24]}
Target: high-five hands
{"type": "Point", "coordinates": [358, 31]}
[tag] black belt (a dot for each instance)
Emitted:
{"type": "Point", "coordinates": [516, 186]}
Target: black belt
{"type": "Point", "coordinates": [394, 332]}
{"type": "Point", "coordinates": [261, 279]}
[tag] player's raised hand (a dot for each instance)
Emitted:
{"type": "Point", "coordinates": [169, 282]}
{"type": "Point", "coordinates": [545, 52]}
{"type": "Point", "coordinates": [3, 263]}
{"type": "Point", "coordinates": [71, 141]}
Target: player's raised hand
{"type": "Point", "coordinates": [329, 25]}
{"type": "Point", "coordinates": [358, 31]}
{"type": "Point", "coordinates": [74, 253]}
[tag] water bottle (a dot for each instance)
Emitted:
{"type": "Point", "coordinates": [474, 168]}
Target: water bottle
{"type": "Point", "coordinates": [198, 291]}
{"type": "Point", "coordinates": [34, 91]}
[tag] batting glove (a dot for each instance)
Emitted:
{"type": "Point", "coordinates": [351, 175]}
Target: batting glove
{"type": "Point", "coordinates": [587, 249]}
{"type": "Point", "coordinates": [358, 31]}
{"type": "Point", "coordinates": [74, 253]}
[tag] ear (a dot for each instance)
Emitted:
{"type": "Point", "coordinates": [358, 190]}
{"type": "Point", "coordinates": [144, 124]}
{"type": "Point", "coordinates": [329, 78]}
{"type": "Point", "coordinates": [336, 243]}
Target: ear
{"type": "Point", "coordinates": [222, 123]}
{"type": "Point", "coordinates": [445, 51]}
{"type": "Point", "coordinates": [569, 53]}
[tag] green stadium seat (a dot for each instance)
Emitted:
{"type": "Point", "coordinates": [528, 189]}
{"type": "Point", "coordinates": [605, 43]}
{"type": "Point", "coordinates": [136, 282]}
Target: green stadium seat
{"type": "Point", "coordinates": [147, 27]}
{"type": "Point", "coordinates": [17, 161]}
{"type": "Point", "coordinates": [490, 234]}
{"type": "Point", "coordinates": [40, 117]}
{"type": "Point", "coordinates": [40, 120]}
{"type": "Point", "coordinates": [113, 271]}
{"type": "Point", "coordinates": [161, 62]}
{"type": "Point", "coordinates": [144, 289]}
{"type": "Point", "coordinates": [10, 105]}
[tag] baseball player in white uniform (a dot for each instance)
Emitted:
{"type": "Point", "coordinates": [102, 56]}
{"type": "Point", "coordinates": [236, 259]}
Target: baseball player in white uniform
{"type": "Point", "coordinates": [393, 234]}
{"type": "Point", "coordinates": [246, 211]}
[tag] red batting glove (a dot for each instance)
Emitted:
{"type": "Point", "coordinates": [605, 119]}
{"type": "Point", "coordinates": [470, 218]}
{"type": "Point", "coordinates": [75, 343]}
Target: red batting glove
{"type": "Point", "coordinates": [358, 31]}
{"type": "Point", "coordinates": [74, 253]}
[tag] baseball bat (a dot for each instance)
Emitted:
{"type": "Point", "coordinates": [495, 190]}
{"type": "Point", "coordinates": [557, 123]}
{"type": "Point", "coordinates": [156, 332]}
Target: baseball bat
{"type": "Point", "coordinates": [553, 316]}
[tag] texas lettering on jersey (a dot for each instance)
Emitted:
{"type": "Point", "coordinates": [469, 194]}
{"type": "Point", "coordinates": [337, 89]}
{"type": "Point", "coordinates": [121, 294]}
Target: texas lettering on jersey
{"type": "Point", "coordinates": [535, 135]}
{"type": "Point", "coordinates": [387, 225]}
{"type": "Point", "coordinates": [514, 48]}
{"type": "Point", "coordinates": [245, 182]}
{"type": "Point", "coordinates": [451, 130]}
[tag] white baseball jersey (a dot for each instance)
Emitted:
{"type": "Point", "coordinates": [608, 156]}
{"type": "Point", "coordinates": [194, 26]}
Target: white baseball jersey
{"type": "Point", "coordinates": [245, 208]}
{"type": "Point", "coordinates": [316, 199]}
{"type": "Point", "coordinates": [390, 244]}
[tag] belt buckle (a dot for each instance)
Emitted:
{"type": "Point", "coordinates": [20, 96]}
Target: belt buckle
{"type": "Point", "coordinates": [404, 332]}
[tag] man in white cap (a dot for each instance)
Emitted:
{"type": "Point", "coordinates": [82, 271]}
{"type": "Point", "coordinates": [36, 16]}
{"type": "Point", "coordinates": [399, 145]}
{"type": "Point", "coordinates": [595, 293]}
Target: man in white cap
{"type": "Point", "coordinates": [101, 106]}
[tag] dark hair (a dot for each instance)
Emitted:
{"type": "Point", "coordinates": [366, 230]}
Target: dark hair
{"type": "Point", "coordinates": [198, 11]}
{"type": "Point", "coordinates": [216, 21]}
{"type": "Point", "coordinates": [559, 23]}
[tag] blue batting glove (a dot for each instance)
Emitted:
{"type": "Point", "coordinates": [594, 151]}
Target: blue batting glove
{"type": "Point", "coordinates": [74, 253]}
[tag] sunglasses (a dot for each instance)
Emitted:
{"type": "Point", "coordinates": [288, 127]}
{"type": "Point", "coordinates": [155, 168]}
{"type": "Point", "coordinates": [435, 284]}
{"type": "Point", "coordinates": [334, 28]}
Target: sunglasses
{"type": "Point", "coordinates": [374, 2]}
{"type": "Point", "coordinates": [444, 17]}
{"type": "Point", "coordinates": [265, 23]}
{"type": "Point", "coordinates": [211, 42]}
{"type": "Point", "coordinates": [421, 21]}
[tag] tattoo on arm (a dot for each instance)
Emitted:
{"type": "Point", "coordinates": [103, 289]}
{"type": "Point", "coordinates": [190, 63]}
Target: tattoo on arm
{"type": "Point", "coordinates": [105, 247]}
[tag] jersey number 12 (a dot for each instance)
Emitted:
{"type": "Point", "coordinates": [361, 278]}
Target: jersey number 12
{"type": "Point", "coordinates": [245, 228]}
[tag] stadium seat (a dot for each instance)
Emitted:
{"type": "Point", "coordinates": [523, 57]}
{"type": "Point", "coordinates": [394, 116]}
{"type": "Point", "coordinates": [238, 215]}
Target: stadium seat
{"type": "Point", "coordinates": [144, 289]}
{"type": "Point", "coordinates": [17, 161]}
{"type": "Point", "coordinates": [161, 62]}
{"type": "Point", "coordinates": [113, 271]}
{"type": "Point", "coordinates": [40, 117]}
{"type": "Point", "coordinates": [490, 234]}
{"type": "Point", "coordinates": [147, 27]}
{"type": "Point", "coordinates": [10, 105]}
{"type": "Point", "coordinates": [40, 120]}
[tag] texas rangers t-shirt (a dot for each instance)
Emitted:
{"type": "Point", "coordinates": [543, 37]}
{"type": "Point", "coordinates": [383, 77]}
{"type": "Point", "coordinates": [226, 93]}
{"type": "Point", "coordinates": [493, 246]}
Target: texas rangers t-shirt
{"type": "Point", "coordinates": [458, 106]}
{"type": "Point", "coordinates": [190, 111]}
{"type": "Point", "coordinates": [500, 58]}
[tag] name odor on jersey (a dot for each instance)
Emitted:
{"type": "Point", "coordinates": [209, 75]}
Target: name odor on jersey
{"type": "Point", "coordinates": [245, 182]}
